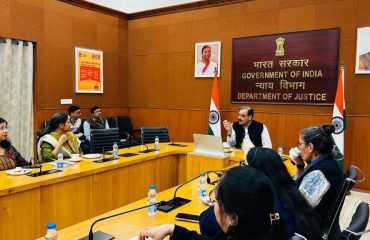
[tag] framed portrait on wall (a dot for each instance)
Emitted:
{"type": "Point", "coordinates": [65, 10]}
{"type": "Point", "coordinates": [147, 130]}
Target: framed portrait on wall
{"type": "Point", "coordinates": [207, 58]}
{"type": "Point", "coordinates": [88, 70]}
{"type": "Point", "coordinates": [363, 51]}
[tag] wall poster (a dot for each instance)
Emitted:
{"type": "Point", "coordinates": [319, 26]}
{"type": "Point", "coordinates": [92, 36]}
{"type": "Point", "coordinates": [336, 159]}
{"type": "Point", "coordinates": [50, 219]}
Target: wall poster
{"type": "Point", "coordinates": [88, 70]}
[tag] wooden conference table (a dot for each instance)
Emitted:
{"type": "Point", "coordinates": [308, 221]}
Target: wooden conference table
{"type": "Point", "coordinates": [88, 189]}
{"type": "Point", "coordinates": [129, 225]}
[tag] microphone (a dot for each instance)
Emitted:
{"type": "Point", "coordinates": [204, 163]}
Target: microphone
{"type": "Point", "coordinates": [219, 175]}
{"type": "Point", "coordinates": [99, 235]}
{"type": "Point", "coordinates": [147, 150]}
{"type": "Point", "coordinates": [176, 144]}
{"type": "Point", "coordinates": [104, 159]}
{"type": "Point", "coordinates": [177, 202]}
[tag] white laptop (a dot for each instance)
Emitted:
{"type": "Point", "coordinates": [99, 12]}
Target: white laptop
{"type": "Point", "coordinates": [208, 144]}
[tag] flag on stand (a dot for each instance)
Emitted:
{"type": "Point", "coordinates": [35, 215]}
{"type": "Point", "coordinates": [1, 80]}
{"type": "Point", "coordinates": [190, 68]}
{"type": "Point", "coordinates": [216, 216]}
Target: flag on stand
{"type": "Point", "coordinates": [214, 126]}
{"type": "Point", "coordinates": [339, 118]}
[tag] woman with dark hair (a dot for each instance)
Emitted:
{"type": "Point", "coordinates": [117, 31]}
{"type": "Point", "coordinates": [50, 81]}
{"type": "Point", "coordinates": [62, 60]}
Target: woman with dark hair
{"type": "Point", "coordinates": [320, 181]}
{"type": "Point", "coordinates": [244, 209]}
{"type": "Point", "coordinates": [206, 67]}
{"type": "Point", "coordinates": [295, 213]}
{"type": "Point", "coordinates": [58, 137]}
{"type": "Point", "coordinates": [9, 156]}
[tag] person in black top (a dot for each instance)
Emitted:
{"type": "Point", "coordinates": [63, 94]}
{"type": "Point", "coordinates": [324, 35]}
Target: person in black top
{"type": "Point", "coordinates": [247, 133]}
{"type": "Point", "coordinates": [244, 209]}
{"type": "Point", "coordinates": [320, 181]}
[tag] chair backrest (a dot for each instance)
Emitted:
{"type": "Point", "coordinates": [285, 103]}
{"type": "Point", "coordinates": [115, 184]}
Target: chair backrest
{"type": "Point", "coordinates": [332, 219]}
{"type": "Point", "coordinates": [297, 236]}
{"type": "Point", "coordinates": [351, 174]}
{"type": "Point", "coordinates": [358, 223]}
{"type": "Point", "coordinates": [148, 134]}
{"type": "Point", "coordinates": [104, 138]}
{"type": "Point", "coordinates": [112, 122]}
{"type": "Point", "coordinates": [125, 126]}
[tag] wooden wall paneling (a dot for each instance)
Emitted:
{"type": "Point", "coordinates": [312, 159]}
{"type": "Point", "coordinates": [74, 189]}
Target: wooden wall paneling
{"type": "Point", "coordinates": [357, 142]}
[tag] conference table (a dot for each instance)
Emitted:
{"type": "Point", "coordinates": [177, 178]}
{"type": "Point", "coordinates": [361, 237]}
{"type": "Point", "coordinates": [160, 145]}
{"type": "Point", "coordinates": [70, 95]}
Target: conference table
{"type": "Point", "coordinates": [129, 225]}
{"type": "Point", "coordinates": [87, 189]}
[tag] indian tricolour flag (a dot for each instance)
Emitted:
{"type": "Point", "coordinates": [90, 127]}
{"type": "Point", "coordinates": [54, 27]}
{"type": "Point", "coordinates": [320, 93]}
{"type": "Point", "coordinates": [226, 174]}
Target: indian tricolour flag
{"type": "Point", "coordinates": [214, 126]}
{"type": "Point", "coordinates": [339, 118]}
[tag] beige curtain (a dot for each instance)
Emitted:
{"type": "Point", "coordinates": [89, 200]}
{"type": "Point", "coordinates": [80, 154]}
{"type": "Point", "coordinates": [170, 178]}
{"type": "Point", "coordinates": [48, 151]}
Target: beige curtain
{"type": "Point", "coordinates": [16, 81]}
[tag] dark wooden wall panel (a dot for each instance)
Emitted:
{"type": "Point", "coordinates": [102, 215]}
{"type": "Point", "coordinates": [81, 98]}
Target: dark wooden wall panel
{"type": "Point", "coordinates": [184, 100]}
{"type": "Point", "coordinates": [57, 28]}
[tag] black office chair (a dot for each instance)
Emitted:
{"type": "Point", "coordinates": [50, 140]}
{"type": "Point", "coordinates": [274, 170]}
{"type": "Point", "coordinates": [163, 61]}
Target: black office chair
{"type": "Point", "coordinates": [331, 229]}
{"type": "Point", "coordinates": [103, 139]}
{"type": "Point", "coordinates": [127, 132]}
{"type": "Point", "coordinates": [297, 236]}
{"type": "Point", "coordinates": [148, 134]}
{"type": "Point", "coordinates": [358, 223]}
{"type": "Point", "coordinates": [112, 122]}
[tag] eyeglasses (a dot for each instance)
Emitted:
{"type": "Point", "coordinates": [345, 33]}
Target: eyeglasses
{"type": "Point", "coordinates": [299, 144]}
{"type": "Point", "coordinates": [212, 195]}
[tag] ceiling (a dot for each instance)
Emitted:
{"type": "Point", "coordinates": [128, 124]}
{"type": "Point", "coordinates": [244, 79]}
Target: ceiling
{"type": "Point", "coordinates": [135, 6]}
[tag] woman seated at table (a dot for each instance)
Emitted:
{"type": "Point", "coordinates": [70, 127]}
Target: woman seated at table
{"type": "Point", "coordinates": [320, 181]}
{"type": "Point", "coordinates": [295, 214]}
{"type": "Point", "coordinates": [58, 137]}
{"type": "Point", "coordinates": [9, 156]}
{"type": "Point", "coordinates": [244, 209]}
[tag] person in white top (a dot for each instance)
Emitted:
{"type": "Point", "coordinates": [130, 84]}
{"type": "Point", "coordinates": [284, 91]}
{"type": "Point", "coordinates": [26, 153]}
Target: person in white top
{"type": "Point", "coordinates": [247, 133]}
{"type": "Point", "coordinates": [206, 67]}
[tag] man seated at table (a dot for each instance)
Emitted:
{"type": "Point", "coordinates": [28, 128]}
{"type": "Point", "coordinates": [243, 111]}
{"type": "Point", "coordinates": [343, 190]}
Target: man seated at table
{"type": "Point", "coordinates": [96, 121]}
{"type": "Point", "coordinates": [247, 133]}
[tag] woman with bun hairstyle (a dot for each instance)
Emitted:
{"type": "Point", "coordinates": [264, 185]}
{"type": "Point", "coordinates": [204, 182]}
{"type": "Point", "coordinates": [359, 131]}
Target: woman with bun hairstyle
{"type": "Point", "coordinates": [57, 137]}
{"type": "Point", "coordinates": [320, 181]}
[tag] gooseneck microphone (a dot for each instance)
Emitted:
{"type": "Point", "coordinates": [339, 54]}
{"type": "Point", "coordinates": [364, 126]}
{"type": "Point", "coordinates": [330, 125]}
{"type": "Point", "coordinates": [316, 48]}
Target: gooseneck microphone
{"type": "Point", "coordinates": [177, 202]}
{"type": "Point", "coordinates": [99, 235]}
{"type": "Point", "coordinates": [176, 144]}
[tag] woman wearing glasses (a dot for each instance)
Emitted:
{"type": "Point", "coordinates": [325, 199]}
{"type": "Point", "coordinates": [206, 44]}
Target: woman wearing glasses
{"type": "Point", "coordinates": [242, 212]}
{"type": "Point", "coordinates": [320, 181]}
{"type": "Point", "coordinates": [9, 156]}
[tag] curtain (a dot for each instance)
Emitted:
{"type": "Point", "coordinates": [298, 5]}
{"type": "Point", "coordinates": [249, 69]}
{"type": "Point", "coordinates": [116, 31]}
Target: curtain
{"type": "Point", "coordinates": [16, 97]}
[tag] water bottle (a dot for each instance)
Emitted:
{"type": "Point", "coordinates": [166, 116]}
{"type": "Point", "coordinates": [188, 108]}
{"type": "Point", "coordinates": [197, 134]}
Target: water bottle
{"type": "Point", "coordinates": [156, 143]}
{"type": "Point", "coordinates": [202, 191]}
{"type": "Point", "coordinates": [280, 150]}
{"type": "Point", "coordinates": [51, 232]}
{"type": "Point", "coordinates": [152, 199]}
{"type": "Point", "coordinates": [115, 150]}
{"type": "Point", "coordinates": [60, 162]}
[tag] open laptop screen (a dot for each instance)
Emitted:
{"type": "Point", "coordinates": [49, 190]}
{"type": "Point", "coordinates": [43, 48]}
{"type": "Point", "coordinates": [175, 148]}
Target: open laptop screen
{"type": "Point", "coordinates": [208, 144]}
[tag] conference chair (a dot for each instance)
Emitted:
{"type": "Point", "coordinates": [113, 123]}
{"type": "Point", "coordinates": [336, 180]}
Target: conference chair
{"type": "Point", "coordinates": [112, 122]}
{"type": "Point", "coordinates": [332, 219]}
{"type": "Point", "coordinates": [103, 139]}
{"type": "Point", "coordinates": [358, 223]}
{"type": "Point", "coordinates": [127, 132]}
{"type": "Point", "coordinates": [297, 236]}
{"type": "Point", "coordinates": [148, 134]}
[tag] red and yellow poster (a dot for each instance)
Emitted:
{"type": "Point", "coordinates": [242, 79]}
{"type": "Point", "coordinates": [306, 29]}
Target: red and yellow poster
{"type": "Point", "coordinates": [89, 70]}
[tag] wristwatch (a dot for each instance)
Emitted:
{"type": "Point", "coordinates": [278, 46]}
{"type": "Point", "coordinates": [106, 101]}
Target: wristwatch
{"type": "Point", "coordinates": [300, 165]}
